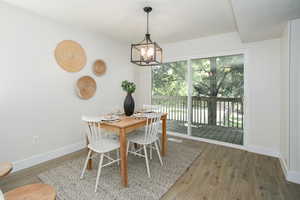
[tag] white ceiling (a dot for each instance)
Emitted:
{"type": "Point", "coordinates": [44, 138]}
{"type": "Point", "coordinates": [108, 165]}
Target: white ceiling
{"type": "Point", "coordinates": [263, 19]}
{"type": "Point", "coordinates": [125, 20]}
{"type": "Point", "coordinates": [170, 20]}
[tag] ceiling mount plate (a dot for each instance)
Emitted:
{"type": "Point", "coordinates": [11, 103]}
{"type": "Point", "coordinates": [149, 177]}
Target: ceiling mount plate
{"type": "Point", "coordinates": [147, 9]}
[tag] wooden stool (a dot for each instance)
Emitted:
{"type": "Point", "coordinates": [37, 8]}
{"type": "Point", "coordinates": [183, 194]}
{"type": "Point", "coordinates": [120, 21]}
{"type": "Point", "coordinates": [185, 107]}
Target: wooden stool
{"type": "Point", "coordinates": [5, 168]}
{"type": "Point", "coordinates": [32, 192]}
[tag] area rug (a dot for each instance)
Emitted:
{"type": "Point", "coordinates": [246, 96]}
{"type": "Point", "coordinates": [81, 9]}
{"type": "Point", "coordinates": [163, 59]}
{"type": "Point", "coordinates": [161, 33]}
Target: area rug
{"type": "Point", "coordinates": [65, 178]}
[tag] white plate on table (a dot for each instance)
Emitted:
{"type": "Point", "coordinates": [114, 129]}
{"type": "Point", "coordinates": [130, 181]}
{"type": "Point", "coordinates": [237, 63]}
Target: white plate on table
{"type": "Point", "coordinates": [111, 118]}
{"type": "Point", "coordinates": [140, 115]}
{"type": "Point", "coordinates": [119, 113]}
{"type": "Point", "coordinates": [147, 111]}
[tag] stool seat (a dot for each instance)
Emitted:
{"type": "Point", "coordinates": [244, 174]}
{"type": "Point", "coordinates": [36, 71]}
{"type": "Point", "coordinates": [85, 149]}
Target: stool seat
{"type": "Point", "coordinates": [33, 192]}
{"type": "Point", "coordinates": [5, 168]}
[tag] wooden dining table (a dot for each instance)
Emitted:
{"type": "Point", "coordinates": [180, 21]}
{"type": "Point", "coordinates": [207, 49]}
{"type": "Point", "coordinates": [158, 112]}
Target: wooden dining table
{"type": "Point", "coordinates": [125, 126]}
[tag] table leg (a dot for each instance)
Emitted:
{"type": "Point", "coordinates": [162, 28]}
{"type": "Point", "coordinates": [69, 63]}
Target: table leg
{"type": "Point", "coordinates": [90, 163]}
{"type": "Point", "coordinates": [123, 156]}
{"type": "Point", "coordinates": [164, 139]}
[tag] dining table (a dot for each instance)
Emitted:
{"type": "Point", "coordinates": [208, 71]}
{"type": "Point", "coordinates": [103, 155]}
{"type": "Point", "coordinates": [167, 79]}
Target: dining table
{"type": "Point", "coordinates": [124, 126]}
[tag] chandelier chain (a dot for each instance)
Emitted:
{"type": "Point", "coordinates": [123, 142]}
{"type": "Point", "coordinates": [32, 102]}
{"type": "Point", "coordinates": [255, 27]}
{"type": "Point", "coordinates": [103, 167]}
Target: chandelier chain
{"type": "Point", "coordinates": [147, 22]}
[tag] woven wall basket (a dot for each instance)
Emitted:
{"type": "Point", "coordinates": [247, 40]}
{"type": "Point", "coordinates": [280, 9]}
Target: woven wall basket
{"type": "Point", "coordinates": [99, 67]}
{"type": "Point", "coordinates": [86, 87]}
{"type": "Point", "coordinates": [70, 56]}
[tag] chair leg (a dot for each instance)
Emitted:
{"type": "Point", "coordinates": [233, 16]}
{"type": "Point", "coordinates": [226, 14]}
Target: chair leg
{"type": "Point", "coordinates": [159, 142]}
{"type": "Point", "coordinates": [147, 161]}
{"type": "Point", "coordinates": [150, 151]}
{"type": "Point", "coordinates": [158, 153]}
{"type": "Point", "coordinates": [128, 143]}
{"type": "Point", "coordinates": [85, 164]}
{"type": "Point", "coordinates": [118, 156]}
{"type": "Point", "coordinates": [99, 171]}
{"type": "Point", "coordinates": [134, 148]}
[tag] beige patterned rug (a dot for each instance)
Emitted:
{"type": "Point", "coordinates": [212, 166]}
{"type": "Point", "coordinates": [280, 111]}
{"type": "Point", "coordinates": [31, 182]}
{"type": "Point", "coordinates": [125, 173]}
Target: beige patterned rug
{"type": "Point", "coordinates": [65, 178]}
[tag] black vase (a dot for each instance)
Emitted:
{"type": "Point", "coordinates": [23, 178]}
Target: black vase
{"type": "Point", "coordinates": [129, 105]}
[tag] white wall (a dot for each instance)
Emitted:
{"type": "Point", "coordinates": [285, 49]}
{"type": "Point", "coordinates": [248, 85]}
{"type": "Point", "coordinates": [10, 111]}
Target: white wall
{"type": "Point", "coordinates": [262, 83]}
{"type": "Point", "coordinates": [284, 90]}
{"type": "Point", "coordinates": [295, 97]}
{"type": "Point", "coordinates": [37, 97]}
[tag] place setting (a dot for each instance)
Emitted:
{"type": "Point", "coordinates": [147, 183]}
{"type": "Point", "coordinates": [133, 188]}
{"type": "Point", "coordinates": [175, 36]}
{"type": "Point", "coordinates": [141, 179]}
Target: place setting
{"type": "Point", "coordinates": [115, 116]}
{"type": "Point", "coordinates": [146, 111]}
{"type": "Point", "coordinates": [111, 118]}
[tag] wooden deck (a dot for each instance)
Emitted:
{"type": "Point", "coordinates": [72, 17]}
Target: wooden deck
{"type": "Point", "coordinates": [219, 133]}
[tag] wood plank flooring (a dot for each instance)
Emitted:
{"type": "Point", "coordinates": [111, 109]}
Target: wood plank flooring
{"type": "Point", "coordinates": [218, 173]}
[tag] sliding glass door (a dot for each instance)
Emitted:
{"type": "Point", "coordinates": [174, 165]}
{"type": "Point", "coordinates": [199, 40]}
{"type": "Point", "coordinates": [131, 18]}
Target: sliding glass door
{"type": "Point", "coordinates": [169, 90]}
{"type": "Point", "coordinates": [217, 98]}
{"type": "Point", "coordinates": [214, 108]}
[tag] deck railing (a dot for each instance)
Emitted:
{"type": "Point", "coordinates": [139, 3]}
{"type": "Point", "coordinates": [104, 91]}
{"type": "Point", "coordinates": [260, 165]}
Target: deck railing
{"type": "Point", "coordinates": [227, 112]}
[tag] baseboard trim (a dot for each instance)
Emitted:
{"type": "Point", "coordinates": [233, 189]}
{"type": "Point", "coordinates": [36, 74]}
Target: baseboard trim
{"type": "Point", "coordinates": [293, 176]}
{"type": "Point", "coordinates": [263, 151]}
{"type": "Point", "coordinates": [253, 149]}
{"type": "Point", "coordinates": [40, 158]}
{"type": "Point", "coordinates": [283, 167]}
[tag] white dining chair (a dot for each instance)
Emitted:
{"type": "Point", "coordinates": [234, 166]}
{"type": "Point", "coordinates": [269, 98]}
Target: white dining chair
{"type": "Point", "coordinates": [153, 108]}
{"type": "Point", "coordinates": [99, 143]}
{"type": "Point", "coordinates": [146, 138]}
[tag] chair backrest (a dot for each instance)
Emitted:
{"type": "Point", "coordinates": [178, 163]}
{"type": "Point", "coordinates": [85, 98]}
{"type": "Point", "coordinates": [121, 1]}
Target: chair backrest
{"type": "Point", "coordinates": [154, 108]}
{"type": "Point", "coordinates": [152, 126]}
{"type": "Point", "coordinates": [93, 131]}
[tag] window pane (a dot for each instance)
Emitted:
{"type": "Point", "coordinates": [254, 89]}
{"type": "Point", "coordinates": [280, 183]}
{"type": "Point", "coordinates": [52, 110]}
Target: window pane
{"type": "Point", "coordinates": [230, 76]}
{"type": "Point", "coordinates": [217, 98]}
{"type": "Point", "coordinates": [169, 79]}
{"type": "Point", "coordinates": [169, 90]}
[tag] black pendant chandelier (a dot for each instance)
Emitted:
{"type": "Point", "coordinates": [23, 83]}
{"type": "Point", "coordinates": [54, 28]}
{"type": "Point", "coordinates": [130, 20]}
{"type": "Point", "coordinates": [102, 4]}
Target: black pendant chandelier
{"type": "Point", "coordinates": [146, 53]}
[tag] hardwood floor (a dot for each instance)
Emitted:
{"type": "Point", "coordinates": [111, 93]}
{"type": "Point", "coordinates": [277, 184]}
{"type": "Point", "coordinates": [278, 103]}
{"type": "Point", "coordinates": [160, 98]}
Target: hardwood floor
{"type": "Point", "coordinates": [218, 173]}
{"type": "Point", "coordinates": [226, 173]}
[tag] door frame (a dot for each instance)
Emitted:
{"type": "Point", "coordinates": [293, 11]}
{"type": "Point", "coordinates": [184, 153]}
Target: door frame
{"type": "Point", "coordinates": [189, 83]}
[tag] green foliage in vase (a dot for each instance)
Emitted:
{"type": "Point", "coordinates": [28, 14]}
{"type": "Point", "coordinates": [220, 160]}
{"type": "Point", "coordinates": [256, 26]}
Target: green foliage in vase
{"type": "Point", "coordinates": [128, 86]}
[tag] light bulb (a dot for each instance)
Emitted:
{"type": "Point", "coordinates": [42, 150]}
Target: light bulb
{"type": "Point", "coordinates": [147, 53]}
{"type": "Point", "coordinates": [143, 52]}
{"type": "Point", "coordinates": [150, 52]}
